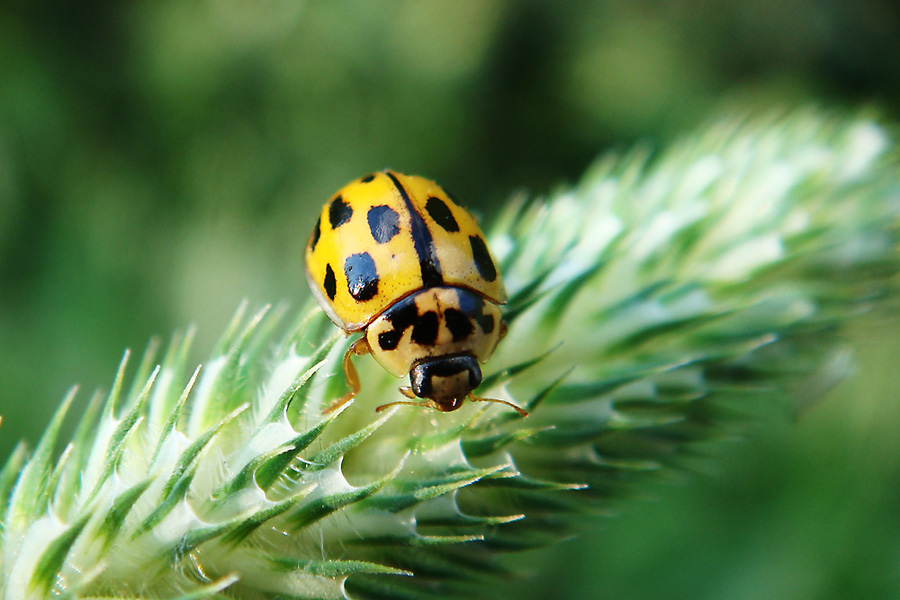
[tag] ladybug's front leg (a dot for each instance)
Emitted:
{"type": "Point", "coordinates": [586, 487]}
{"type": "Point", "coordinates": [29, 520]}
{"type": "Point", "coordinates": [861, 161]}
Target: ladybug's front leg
{"type": "Point", "coordinates": [358, 348]}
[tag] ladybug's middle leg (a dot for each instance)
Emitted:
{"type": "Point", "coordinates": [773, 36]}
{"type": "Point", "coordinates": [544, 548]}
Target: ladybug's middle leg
{"type": "Point", "coordinates": [358, 348]}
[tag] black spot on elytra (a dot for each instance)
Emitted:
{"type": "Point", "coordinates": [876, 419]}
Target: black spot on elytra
{"type": "Point", "coordinates": [458, 323]}
{"type": "Point", "coordinates": [330, 283]}
{"type": "Point", "coordinates": [425, 329]}
{"type": "Point", "coordinates": [316, 234]}
{"type": "Point", "coordinates": [368, 178]}
{"type": "Point", "coordinates": [384, 223]}
{"type": "Point", "coordinates": [482, 257]}
{"type": "Point", "coordinates": [441, 214]}
{"type": "Point", "coordinates": [339, 212]}
{"type": "Point", "coordinates": [362, 277]}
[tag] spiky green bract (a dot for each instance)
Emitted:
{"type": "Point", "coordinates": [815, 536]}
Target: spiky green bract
{"type": "Point", "coordinates": [650, 306]}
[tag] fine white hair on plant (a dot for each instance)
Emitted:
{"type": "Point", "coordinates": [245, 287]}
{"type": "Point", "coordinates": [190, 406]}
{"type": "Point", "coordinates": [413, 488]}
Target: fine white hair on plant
{"type": "Point", "coordinates": [650, 305]}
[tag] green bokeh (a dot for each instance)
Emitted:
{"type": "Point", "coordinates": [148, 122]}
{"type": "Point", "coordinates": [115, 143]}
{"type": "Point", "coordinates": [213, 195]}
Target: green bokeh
{"type": "Point", "coordinates": [160, 161]}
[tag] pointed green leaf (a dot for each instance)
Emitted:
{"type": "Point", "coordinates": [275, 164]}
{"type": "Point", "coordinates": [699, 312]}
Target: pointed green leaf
{"type": "Point", "coordinates": [190, 454]}
{"type": "Point", "coordinates": [252, 326]}
{"type": "Point", "coordinates": [279, 411]}
{"type": "Point", "coordinates": [51, 489]}
{"type": "Point", "coordinates": [526, 297]}
{"type": "Point", "coordinates": [11, 472]}
{"type": "Point", "coordinates": [176, 495]}
{"type": "Point", "coordinates": [312, 327]}
{"type": "Point", "coordinates": [529, 483]}
{"type": "Point", "coordinates": [333, 569]}
{"type": "Point", "coordinates": [143, 373]}
{"type": "Point", "coordinates": [121, 507]}
{"type": "Point", "coordinates": [321, 507]}
{"type": "Point", "coordinates": [484, 446]}
{"type": "Point", "coordinates": [197, 535]}
{"type": "Point", "coordinates": [449, 563]}
{"type": "Point", "coordinates": [442, 437]}
{"type": "Point", "coordinates": [634, 342]}
{"type": "Point", "coordinates": [416, 541]}
{"type": "Point", "coordinates": [174, 366]}
{"type": "Point", "coordinates": [174, 415]}
{"type": "Point", "coordinates": [227, 340]}
{"type": "Point", "coordinates": [269, 471]}
{"type": "Point", "coordinates": [113, 452]}
{"type": "Point", "coordinates": [512, 371]}
{"type": "Point", "coordinates": [211, 590]}
{"type": "Point", "coordinates": [244, 478]}
{"type": "Point", "coordinates": [70, 480]}
{"type": "Point", "coordinates": [500, 419]}
{"type": "Point", "coordinates": [228, 392]}
{"type": "Point", "coordinates": [601, 385]}
{"type": "Point", "coordinates": [563, 295]}
{"type": "Point", "coordinates": [629, 302]}
{"type": "Point", "coordinates": [51, 561]}
{"type": "Point", "coordinates": [251, 523]}
{"type": "Point", "coordinates": [87, 426]}
{"type": "Point", "coordinates": [327, 456]}
{"type": "Point", "coordinates": [450, 483]}
{"type": "Point", "coordinates": [32, 484]}
{"type": "Point", "coordinates": [461, 520]}
{"type": "Point", "coordinates": [111, 407]}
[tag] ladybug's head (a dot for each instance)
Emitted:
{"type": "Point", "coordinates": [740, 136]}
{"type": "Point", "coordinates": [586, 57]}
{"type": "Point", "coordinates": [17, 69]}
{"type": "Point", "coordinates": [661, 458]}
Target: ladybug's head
{"type": "Point", "coordinates": [446, 380]}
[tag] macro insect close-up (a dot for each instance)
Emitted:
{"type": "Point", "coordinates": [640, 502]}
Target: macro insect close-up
{"type": "Point", "coordinates": [414, 300]}
{"type": "Point", "coordinates": [395, 257]}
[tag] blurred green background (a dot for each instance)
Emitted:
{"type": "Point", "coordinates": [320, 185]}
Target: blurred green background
{"type": "Point", "coordinates": [160, 161]}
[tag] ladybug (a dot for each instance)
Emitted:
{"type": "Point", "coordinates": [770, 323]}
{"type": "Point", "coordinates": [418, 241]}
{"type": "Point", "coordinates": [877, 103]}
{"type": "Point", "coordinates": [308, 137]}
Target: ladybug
{"type": "Point", "coordinates": [394, 257]}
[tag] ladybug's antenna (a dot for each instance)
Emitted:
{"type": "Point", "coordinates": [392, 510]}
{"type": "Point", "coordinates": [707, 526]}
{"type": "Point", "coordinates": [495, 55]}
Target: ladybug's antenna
{"type": "Point", "coordinates": [433, 404]}
{"type": "Point", "coordinates": [425, 404]}
{"type": "Point", "coordinates": [521, 411]}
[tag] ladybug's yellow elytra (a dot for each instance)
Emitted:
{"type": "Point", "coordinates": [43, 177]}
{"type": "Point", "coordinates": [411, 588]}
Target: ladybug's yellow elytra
{"type": "Point", "coordinates": [394, 256]}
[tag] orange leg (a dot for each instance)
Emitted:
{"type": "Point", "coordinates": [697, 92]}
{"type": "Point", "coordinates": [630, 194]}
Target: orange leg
{"type": "Point", "coordinates": [358, 348]}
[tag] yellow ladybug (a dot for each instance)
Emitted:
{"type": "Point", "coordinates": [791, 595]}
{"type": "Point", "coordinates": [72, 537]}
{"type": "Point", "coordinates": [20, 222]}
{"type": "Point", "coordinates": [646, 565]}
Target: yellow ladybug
{"type": "Point", "coordinates": [393, 256]}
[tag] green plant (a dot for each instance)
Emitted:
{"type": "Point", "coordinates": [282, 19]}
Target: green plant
{"type": "Point", "coordinates": [652, 306]}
